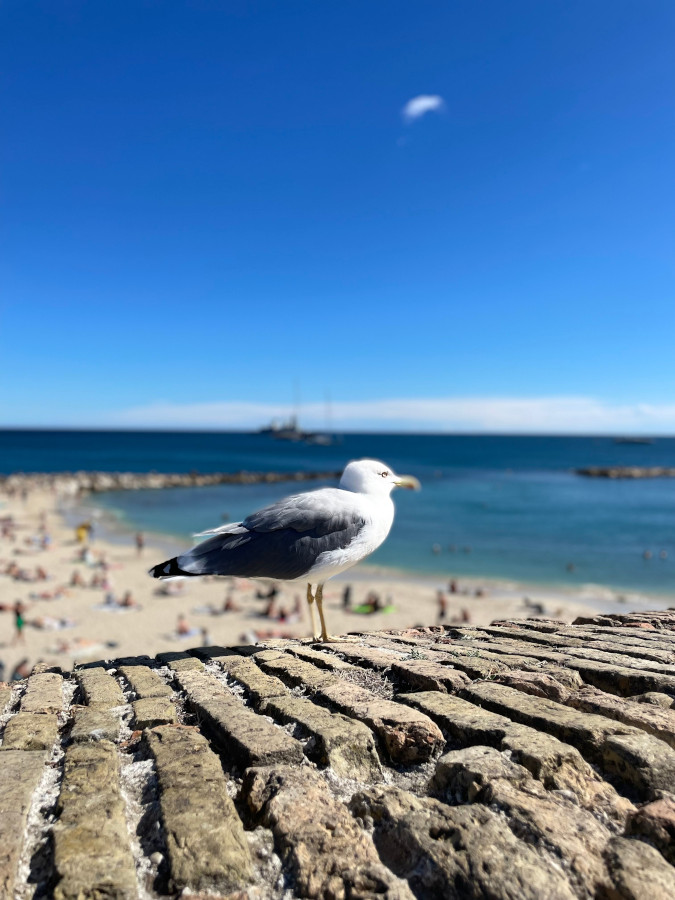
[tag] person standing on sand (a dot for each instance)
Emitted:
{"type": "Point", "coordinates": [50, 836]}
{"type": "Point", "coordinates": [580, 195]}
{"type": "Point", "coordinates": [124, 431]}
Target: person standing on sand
{"type": "Point", "coordinates": [140, 543]}
{"type": "Point", "coordinates": [19, 623]}
{"type": "Point", "coordinates": [442, 602]}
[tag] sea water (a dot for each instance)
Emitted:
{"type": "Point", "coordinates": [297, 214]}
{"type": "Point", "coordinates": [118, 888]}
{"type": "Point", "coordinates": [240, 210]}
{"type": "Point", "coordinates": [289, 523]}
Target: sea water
{"type": "Point", "coordinates": [491, 506]}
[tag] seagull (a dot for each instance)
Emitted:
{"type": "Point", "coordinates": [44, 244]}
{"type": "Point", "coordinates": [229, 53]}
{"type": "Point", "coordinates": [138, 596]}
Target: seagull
{"type": "Point", "coordinates": [308, 537]}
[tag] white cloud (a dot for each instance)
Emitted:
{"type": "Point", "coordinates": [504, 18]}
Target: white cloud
{"type": "Point", "coordinates": [420, 105]}
{"type": "Point", "coordinates": [523, 415]}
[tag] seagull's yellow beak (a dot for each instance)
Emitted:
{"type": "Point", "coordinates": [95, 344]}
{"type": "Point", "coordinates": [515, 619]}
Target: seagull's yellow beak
{"type": "Point", "coordinates": [408, 481]}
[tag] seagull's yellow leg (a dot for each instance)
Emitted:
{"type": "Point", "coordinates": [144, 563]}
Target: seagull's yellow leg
{"type": "Point", "coordinates": [310, 603]}
{"type": "Point", "coordinates": [319, 606]}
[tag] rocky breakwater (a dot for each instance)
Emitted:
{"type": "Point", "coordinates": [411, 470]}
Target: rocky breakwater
{"type": "Point", "coordinates": [527, 759]}
{"type": "Point", "coordinates": [74, 483]}
{"type": "Point", "coordinates": [627, 471]}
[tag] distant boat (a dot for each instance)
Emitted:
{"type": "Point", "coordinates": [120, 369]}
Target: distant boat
{"type": "Point", "coordinates": [633, 440]}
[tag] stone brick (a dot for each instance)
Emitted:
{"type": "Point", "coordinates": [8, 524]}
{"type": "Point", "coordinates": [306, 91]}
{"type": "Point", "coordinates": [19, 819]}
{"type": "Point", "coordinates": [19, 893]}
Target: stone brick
{"type": "Point", "coordinates": [638, 871]}
{"type": "Point", "coordinates": [259, 686]}
{"type": "Point", "coordinates": [206, 844]}
{"type": "Point", "coordinates": [655, 821]}
{"type": "Point", "coordinates": [654, 698]}
{"type": "Point", "coordinates": [244, 736]}
{"type": "Point", "coordinates": [539, 684]}
{"type": "Point", "coordinates": [458, 853]}
{"type": "Point", "coordinates": [5, 694]}
{"type": "Point", "coordinates": [419, 674]}
{"type": "Point", "coordinates": [151, 711]}
{"type": "Point", "coordinates": [92, 724]}
{"type": "Point", "coordinates": [639, 760]}
{"type": "Point", "coordinates": [100, 689]}
{"type": "Point", "coordinates": [20, 774]}
{"type": "Point", "coordinates": [482, 774]}
{"type": "Point", "coordinates": [654, 720]}
{"type": "Point", "coordinates": [30, 731]}
{"type": "Point", "coordinates": [407, 735]}
{"type": "Point", "coordinates": [322, 660]}
{"type": "Point", "coordinates": [585, 731]}
{"type": "Point", "coordinates": [179, 661]}
{"type": "Point", "coordinates": [145, 682]}
{"type": "Point", "coordinates": [556, 764]}
{"type": "Point", "coordinates": [43, 694]}
{"type": "Point", "coordinates": [344, 744]}
{"type": "Point", "coordinates": [293, 671]}
{"type": "Point", "coordinates": [330, 856]}
{"type": "Point", "coordinates": [92, 856]}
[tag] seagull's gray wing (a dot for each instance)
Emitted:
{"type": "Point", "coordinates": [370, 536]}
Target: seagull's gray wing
{"type": "Point", "coordinates": [281, 541]}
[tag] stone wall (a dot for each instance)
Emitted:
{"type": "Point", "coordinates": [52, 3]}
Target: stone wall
{"type": "Point", "coordinates": [521, 761]}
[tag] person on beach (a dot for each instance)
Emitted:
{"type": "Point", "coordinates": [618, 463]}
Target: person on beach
{"type": "Point", "coordinates": [21, 670]}
{"type": "Point", "coordinates": [19, 622]}
{"type": "Point", "coordinates": [182, 626]}
{"type": "Point", "coordinates": [230, 606]}
{"type": "Point", "coordinates": [442, 602]}
{"type": "Point", "coordinates": [347, 598]}
{"type": "Point", "coordinates": [140, 543]}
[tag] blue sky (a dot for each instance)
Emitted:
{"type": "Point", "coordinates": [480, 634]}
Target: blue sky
{"type": "Point", "coordinates": [206, 203]}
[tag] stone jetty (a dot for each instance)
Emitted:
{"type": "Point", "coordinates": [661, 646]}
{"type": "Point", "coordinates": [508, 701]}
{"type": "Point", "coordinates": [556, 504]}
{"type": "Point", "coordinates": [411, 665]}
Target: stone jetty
{"type": "Point", "coordinates": [527, 759]}
{"type": "Point", "coordinates": [73, 483]}
{"type": "Point", "coordinates": [627, 472]}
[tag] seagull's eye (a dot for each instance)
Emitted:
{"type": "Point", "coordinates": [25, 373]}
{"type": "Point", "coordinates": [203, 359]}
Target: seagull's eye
{"type": "Point", "coordinates": [384, 474]}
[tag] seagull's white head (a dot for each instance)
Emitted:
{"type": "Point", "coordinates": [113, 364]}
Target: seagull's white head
{"type": "Point", "coordinates": [369, 476]}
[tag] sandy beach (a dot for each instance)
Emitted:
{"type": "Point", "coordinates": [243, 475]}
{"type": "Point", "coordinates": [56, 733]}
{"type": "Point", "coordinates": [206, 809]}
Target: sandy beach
{"type": "Point", "coordinates": [67, 619]}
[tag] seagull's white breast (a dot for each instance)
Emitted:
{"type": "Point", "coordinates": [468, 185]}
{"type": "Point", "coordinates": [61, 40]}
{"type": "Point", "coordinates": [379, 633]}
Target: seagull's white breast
{"type": "Point", "coordinates": [378, 513]}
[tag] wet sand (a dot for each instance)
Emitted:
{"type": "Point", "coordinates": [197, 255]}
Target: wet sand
{"type": "Point", "coordinates": [101, 633]}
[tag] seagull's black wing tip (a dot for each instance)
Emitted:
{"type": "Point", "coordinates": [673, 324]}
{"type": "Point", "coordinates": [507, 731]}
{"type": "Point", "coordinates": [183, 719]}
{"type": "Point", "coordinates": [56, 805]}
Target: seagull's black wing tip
{"type": "Point", "coordinates": [167, 569]}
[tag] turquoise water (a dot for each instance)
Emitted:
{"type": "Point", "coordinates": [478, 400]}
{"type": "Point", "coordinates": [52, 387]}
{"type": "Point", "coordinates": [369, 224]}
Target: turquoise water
{"type": "Point", "coordinates": [509, 507]}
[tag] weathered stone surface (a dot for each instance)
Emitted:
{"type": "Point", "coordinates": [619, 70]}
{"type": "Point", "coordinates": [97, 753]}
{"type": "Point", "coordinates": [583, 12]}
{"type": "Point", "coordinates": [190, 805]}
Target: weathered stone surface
{"type": "Point", "coordinates": [100, 689]}
{"type": "Point", "coordinates": [20, 773]}
{"type": "Point", "coordinates": [482, 774]}
{"type": "Point", "coordinates": [293, 671]}
{"type": "Point", "coordinates": [638, 871]}
{"type": "Point", "coordinates": [322, 660]}
{"type": "Point", "coordinates": [419, 674]}
{"type": "Point", "coordinates": [462, 775]}
{"type": "Point", "coordinates": [613, 673]}
{"type": "Point", "coordinates": [206, 844]}
{"type": "Point", "coordinates": [639, 760]}
{"type": "Point", "coordinates": [459, 853]}
{"type": "Point", "coordinates": [30, 731]}
{"type": "Point", "coordinates": [178, 661]}
{"type": "Point", "coordinates": [92, 855]}
{"type": "Point", "coordinates": [328, 853]}
{"type": "Point", "coordinates": [653, 698]}
{"type": "Point", "coordinates": [258, 685]}
{"type": "Point", "coordinates": [654, 720]}
{"type": "Point", "coordinates": [539, 684]}
{"type": "Point", "coordinates": [145, 682]}
{"type": "Point", "coordinates": [44, 694]}
{"type": "Point", "coordinates": [407, 735]}
{"type": "Point", "coordinates": [585, 731]}
{"type": "Point", "coordinates": [526, 795]}
{"type": "Point", "coordinates": [5, 694]}
{"type": "Point", "coordinates": [344, 744]}
{"type": "Point", "coordinates": [244, 736]}
{"type": "Point", "coordinates": [656, 822]}
{"type": "Point", "coordinates": [559, 766]}
{"type": "Point", "coordinates": [151, 711]}
{"type": "Point", "coordinates": [92, 724]}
